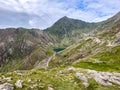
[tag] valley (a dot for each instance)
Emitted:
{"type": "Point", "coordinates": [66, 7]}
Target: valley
{"type": "Point", "coordinates": [70, 55]}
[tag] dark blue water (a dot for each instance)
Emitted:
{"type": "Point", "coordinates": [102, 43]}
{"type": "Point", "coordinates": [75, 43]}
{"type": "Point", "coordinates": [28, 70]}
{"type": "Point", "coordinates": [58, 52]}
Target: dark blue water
{"type": "Point", "coordinates": [58, 49]}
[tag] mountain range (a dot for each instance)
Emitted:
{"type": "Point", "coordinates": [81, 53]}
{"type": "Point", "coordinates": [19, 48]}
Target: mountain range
{"type": "Point", "coordinates": [70, 55]}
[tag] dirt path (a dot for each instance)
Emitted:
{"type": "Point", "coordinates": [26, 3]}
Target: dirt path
{"type": "Point", "coordinates": [45, 62]}
{"type": "Point", "coordinates": [49, 59]}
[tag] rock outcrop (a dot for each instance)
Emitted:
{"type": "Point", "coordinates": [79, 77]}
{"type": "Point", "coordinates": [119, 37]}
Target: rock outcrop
{"type": "Point", "coordinates": [50, 88]}
{"type": "Point", "coordinates": [105, 78]}
{"type": "Point", "coordinates": [18, 83]}
{"type": "Point", "coordinates": [6, 86]}
{"type": "Point", "coordinates": [82, 77]}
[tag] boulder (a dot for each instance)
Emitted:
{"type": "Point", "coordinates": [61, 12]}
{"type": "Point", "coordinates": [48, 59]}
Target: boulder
{"type": "Point", "coordinates": [81, 77]}
{"type": "Point", "coordinates": [85, 84]}
{"type": "Point", "coordinates": [18, 83]}
{"type": "Point", "coordinates": [117, 41]}
{"type": "Point", "coordinates": [50, 88]}
{"type": "Point", "coordinates": [6, 86]}
{"type": "Point", "coordinates": [105, 78]}
{"type": "Point", "coordinates": [71, 68]}
{"type": "Point", "coordinates": [102, 81]}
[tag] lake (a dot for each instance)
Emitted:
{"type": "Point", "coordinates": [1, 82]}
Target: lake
{"type": "Point", "coordinates": [58, 49]}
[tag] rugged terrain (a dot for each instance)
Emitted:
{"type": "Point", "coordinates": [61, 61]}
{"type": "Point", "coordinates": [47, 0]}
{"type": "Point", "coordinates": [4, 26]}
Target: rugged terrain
{"type": "Point", "coordinates": [21, 48]}
{"type": "Point", "coordinates": [90, 60]}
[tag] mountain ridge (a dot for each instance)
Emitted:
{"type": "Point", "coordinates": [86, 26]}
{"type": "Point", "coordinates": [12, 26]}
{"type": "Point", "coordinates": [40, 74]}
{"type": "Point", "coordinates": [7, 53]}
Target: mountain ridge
{"type": "Point", "coordinates": [67, 32]}
{"type": "Point", "coordinates": [89, 58]}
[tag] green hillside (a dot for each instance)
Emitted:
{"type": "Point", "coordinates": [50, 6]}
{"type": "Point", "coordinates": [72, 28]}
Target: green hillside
{"type": "Point", "coordinates": [70, 55]}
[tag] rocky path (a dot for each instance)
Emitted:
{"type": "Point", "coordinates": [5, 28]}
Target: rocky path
{"type": "Point", "coordinates": [49, 59]}
{"type": "Point", "coordinates": [45, 62]}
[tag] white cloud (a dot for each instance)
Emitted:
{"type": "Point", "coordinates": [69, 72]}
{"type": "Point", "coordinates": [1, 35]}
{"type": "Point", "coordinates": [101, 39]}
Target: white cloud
{"type": "Point", "coordinates": [49, 11]}
{"type": "Point", "coordinates": [31, 22]}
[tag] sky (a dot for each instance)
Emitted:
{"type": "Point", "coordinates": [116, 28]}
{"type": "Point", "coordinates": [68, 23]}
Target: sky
{"type": "Point", "coordinates": [44, 13]}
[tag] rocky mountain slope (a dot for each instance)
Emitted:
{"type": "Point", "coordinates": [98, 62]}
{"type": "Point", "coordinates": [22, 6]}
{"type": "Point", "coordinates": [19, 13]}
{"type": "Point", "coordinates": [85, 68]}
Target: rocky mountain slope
{"type": "Point", "coordinates": [67, 25]}
{"type": "Point", "coordinates": [65, 28]}
{"type": "Point", "coordinates": [94, 52]}
{"type": "Point", "coordinates": [90, 63]}
{"type": "Point", "coordinates": [68, 31]}
{"type": "Point", "coordinates": [17, 45]}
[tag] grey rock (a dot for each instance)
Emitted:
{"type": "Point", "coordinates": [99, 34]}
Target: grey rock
{"type": "Point", "coordinates": [117, 41]}
{"type": "Point", "coordinates": [50, 88]}
{"type": "Point", "coordinates": [86, 84]}
{"type": "Point", "coordinates": [81, 77]}
{"type": "Point", "coordinates": [105, 78]}
{"type": "Point", "coordinates": [18, 83]}
{"type": "Point", "coordinates": [6, 86]}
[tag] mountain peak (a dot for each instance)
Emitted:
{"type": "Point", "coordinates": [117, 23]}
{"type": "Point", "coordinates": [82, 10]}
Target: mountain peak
{"type": "Point", "coordinates": [65, 17]}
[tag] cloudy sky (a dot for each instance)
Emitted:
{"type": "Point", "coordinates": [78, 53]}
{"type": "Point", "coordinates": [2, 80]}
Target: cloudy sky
{"type": "Point", "coordinates": [43, 13]}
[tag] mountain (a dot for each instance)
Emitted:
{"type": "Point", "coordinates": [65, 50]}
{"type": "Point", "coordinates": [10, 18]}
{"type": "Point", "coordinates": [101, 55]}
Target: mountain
{"type": "Point", "coordinates": [37, 60]}
{"type": "Point", "coordinates": [18, 43]}
{"type": "Point", "coordinates": [98, 52]}
{"type": "Point", "coordinates": [67, 25]}
{"type": "Point", "coordinates": [67, 30]}
{"type": "Point", "coordinates": [27, 46]}
{"type": "Point", "coordinates": [103, 44]}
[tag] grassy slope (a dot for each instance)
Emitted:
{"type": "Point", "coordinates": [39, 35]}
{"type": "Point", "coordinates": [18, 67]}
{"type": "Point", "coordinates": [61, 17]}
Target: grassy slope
{"type": "Point", "coordinates": [75, 52]}
{"type": "Point", "coordinates": [41, 79]}
{"type": "Point", "coordinates": [110, 60]}
{"type": "Point", "coordinates": [106, 59]}
{"type": "Point", "coordinates": [109, 57]}
{"type": "Point", "coordinates": [27, 62]}
{"type": "Point", "coordinates": [92, 55]}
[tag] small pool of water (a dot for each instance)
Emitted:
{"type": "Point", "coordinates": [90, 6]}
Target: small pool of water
{"type": "Point", "coordinates": [58, 49]}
